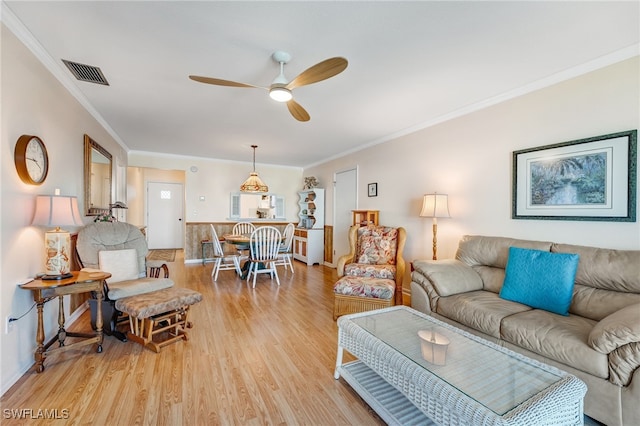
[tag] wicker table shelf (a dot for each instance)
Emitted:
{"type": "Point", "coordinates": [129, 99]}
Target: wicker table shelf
{"type": "Point", "coordinates": [480, 383]}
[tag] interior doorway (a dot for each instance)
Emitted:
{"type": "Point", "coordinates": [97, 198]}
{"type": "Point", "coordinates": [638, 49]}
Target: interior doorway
{"type": "Point", "coordinates": [345, 199]}
{"type": "Point", "coordinates": [165, 213]}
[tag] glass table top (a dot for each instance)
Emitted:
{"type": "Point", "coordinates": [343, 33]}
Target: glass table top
{"type": "Point", "coordinates": [497, 380]}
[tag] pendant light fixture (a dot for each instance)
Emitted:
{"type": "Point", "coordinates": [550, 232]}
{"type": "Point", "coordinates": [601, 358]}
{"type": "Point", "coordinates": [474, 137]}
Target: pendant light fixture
{"type": "Point", "coordinates": [254, 183]}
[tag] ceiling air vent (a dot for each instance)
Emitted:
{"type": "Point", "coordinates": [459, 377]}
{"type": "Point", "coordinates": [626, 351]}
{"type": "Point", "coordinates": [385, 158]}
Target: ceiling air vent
{"type": "Point", "coordinates": [86, 73]}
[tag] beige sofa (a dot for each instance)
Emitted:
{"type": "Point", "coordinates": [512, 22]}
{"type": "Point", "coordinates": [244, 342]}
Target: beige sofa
{"type": "Point", "coordinates": [599, 341]}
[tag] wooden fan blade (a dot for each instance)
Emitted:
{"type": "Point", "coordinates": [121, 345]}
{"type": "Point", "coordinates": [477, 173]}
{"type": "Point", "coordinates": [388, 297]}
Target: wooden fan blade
{"type": "Point", "coordinates": [321, 71]}
{"type": "Point", "coordinates": [220, 82]}
{"type": "Point", "coordinates": [297, 111]}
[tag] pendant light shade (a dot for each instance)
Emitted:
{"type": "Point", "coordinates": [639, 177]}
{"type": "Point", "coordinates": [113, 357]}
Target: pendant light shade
{"type": "Point", "coordinates": [253, 182]}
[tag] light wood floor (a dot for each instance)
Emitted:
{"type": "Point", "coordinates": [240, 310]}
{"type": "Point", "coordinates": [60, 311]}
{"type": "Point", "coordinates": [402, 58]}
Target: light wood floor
{"type": "Point", "coordinates": [254, 357]}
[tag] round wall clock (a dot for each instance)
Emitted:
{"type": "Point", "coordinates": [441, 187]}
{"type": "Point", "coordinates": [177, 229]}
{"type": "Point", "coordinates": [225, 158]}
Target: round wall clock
{"type": "Point", "coordinates": [32, 160]}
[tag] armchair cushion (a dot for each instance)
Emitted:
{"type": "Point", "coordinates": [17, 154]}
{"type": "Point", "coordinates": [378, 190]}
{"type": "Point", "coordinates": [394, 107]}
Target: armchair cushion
{"type": "Point", "coordinates": [377, 245]}
{"type": "Point", "coordinates": [365, 287]}
{"type": "Point", "coordinates": [121, 264]}
{"type": "Point", "coordinates": [371, 271]}
{"type": "Point", "coordinates": [138, 286]}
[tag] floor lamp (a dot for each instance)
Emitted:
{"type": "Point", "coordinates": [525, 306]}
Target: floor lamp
{"type": "Point", "coordinates": [435, 205]}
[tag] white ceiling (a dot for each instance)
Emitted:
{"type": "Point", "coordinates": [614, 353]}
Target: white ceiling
{"type": "Point", "coordinates": [411, 64]}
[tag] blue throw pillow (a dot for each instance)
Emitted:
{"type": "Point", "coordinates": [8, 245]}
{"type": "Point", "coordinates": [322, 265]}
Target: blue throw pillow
{"type": "Point", "coordinates": [540, 279]}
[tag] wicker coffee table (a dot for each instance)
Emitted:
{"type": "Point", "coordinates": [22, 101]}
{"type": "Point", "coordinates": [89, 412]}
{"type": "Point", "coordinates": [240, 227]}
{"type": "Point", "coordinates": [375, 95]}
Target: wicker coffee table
{"type": "Point", "coordinates": [479, 383]}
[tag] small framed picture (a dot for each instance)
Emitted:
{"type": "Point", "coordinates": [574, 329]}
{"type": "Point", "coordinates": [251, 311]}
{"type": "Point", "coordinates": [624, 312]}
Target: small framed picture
{"type": "Point", "coordinates": [373, 190]}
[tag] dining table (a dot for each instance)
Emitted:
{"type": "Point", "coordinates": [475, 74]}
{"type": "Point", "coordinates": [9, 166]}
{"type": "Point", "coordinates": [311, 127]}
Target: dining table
{"type": "Point", "coordinates": [241, 241]}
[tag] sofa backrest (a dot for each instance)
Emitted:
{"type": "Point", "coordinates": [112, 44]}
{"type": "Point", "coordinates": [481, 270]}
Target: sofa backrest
{"type": "Point", "coordinates": [488, 256]}
{"type": "Point", "coordinates": [607, 280]}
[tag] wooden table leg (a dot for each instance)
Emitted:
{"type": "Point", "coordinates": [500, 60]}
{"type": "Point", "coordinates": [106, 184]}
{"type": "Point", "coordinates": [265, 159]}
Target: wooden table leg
{"type": "Point", "coordinates": [62, 333]}
{"type": "Point", "coordinates": [39, 354]}
{"type": "Point", "coordinates": [99, 297]}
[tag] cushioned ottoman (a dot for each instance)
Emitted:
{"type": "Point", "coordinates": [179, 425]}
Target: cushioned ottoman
{"type": "Point", "coordinates": [163, 311]}
{"type": "Point", "coordinates": [360, 294]}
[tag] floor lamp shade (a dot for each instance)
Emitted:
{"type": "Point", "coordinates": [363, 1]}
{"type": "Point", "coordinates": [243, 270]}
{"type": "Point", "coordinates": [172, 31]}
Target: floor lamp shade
{"type": "Point", "coordinates": [56, 211]}
{"type": "Point", "coordinates": [435, 205]}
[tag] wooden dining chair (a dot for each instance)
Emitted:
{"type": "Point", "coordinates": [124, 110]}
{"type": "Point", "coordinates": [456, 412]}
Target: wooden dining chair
{"type": "Point", "coordinates": [285, 253]}
{"type": "Point", "coordinates": [243, 228]}
{"type": "Point", "coordinates": [222, 261]}
{"type": "Point", "coordinates": [264, 245]}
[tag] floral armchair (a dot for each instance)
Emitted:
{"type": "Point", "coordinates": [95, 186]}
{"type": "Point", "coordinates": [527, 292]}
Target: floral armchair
{"type": "Point", "coordinates": [373, 270]}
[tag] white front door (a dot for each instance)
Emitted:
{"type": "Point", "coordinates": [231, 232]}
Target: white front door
{"type": "Point", "coordinates": [345, 200]}
{"type": "Point", "coordinates": [165, 211]}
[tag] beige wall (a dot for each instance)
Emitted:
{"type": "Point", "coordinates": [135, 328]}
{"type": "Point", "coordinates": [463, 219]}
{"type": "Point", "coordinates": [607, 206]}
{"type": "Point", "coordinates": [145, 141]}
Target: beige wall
{"type": "Point", "coordinates": [470, 159]}
{"type": "Point", "coordinates": [34, 102]}
{"type": "Point", "coordinates": [216, 179]}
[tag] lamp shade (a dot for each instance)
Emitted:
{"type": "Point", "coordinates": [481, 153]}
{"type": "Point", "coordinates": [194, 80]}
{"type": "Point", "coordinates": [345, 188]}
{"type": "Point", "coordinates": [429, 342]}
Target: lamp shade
{"type": "Point", "coordinates": [435, 205]}
{"type": "Point", "coordinates": [253, 182]}
{"type": "Point", "coordinates": [56, 211]}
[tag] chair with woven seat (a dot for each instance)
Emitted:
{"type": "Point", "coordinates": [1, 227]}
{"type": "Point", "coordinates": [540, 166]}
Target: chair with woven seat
{"type": "Point", "coordinates": [285, 252]}
{"type": "Point", "coordinates": [222, 261]}
{"type": "Point", "coordinates": [264, 245]}
{"type": "Point", "coordinates": [371, 274]}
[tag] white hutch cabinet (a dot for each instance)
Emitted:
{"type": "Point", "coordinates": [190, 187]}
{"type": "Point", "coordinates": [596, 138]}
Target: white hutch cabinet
{"type": "Point", "coordinates": [308, 238]}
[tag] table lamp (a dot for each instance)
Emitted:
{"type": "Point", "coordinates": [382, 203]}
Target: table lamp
{"type": "Point", "coordinates": [435, 205]}
{"type": "Point", "coordinates": [57, 211]}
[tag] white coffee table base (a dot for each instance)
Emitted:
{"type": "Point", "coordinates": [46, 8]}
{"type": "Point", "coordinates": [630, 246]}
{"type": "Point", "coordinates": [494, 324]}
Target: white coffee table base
{"type": "Point", "coordinates": [391, 405]}
{"type": "Point", "coordinates": [434, 399]}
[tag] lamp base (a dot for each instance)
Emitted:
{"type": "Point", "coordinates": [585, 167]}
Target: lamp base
{"type": "Point", "coordinates": [56, 277]}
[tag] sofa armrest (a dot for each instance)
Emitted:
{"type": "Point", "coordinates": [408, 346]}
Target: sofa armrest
{"type": "Point", "coordinates": [616, 330]}
{"type": "Point", "coordinates": [448, 276]}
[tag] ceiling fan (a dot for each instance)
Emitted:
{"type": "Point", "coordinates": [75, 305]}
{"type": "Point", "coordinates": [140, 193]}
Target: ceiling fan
{"type": "Point", "coordinates": [281, 89]}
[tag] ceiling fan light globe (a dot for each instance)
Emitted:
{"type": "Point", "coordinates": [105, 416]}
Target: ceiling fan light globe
{"type": "Point", "coordinates": [280, 94]}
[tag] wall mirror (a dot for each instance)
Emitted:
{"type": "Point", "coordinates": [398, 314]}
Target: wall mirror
{"type": "Point", "coordinates": [98, 168]}
{"type": "Point", "coordinates": [257, 206]}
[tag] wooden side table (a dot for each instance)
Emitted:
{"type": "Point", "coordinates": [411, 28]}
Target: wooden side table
{"type": "Point", "coordinates": [45, 290]}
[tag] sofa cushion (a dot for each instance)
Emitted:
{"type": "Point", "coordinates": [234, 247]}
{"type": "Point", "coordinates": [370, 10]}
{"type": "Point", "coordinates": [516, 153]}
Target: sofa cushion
{"type": "Point", "coordinates": [608, 269]}
{"type": "Point", "coordinates": [449, 276]}
{"type": "Point", "coordinates": [562, 339]}
{"type": "Point", "coordinates": [596, 303]}
{"type": "Point", "coordinates": [492, 251]}
{"type": "Point", "coordinates": [480, 310]}
{"type": "Point", "coordinates": [492, 277]}
{"type": "Point", "coordinates": [540, 279]}
{"type": "Point", "coordinates": [616, 330]}
{"type": "Point", "coordinates": [121, 264]}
